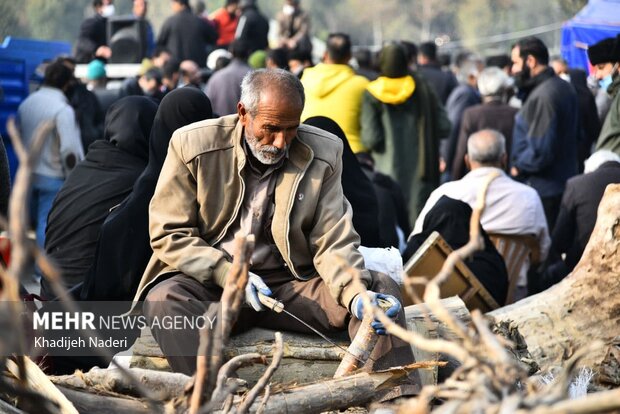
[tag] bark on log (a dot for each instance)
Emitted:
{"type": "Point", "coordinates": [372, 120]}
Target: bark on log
{"type": "Point", "coordinates": [585, 305]}
{"type": "Point", "coordinates": [334, 394]}
{"type": "Point", "coordinates": [92, 403]}
{"type": "Point", "coordinates": [163, 385]}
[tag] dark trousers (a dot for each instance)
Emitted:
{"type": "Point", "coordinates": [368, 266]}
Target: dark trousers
{"type": "Point", "coordinates": [308, 300]}
{"type": "Point", "coordinates": [551, 206]}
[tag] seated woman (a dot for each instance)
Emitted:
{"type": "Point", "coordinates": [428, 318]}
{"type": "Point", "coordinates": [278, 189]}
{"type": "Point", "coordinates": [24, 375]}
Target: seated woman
{"type": "Point", "coordinates": [356, 186]}
{"type": "Point", "coordinates": [450, 218]}
{"type": "Point", "coordinates": [102, 180]}
{"type": "Point", "coordinates": [124, 248]}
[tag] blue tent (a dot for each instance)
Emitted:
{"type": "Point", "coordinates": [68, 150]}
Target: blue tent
{"type": "Point", "coordinates": [598, 20]}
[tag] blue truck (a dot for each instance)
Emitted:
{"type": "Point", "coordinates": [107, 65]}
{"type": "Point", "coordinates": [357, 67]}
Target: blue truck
{"type": "Point", "coordinates": [19, 60]}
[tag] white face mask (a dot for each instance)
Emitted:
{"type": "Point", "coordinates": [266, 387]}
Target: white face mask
{"type": "Point", "coordinates": [565, 76]}
{"type": "Point", "coordinates": [288, 9]}
{"type": "Point", "coordinates": [108, 10]}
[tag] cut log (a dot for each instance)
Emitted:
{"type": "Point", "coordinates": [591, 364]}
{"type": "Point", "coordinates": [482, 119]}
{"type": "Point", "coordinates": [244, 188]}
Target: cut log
{"type": "Point", "coordinates": [163, 385]}
{"type": "Point", "coordinates": [334, 394]}
{"type": "Point", "coordinates": [585, 305]}
{"type": "Point", "coordinates": [307, 358]}
{"type": "Point", "coordinates": [92, 403]}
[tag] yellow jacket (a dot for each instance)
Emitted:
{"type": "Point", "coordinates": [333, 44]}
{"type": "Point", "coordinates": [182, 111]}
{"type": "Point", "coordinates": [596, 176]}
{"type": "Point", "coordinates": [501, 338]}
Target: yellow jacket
{"type": "Point", "coordinates": [335, 91]}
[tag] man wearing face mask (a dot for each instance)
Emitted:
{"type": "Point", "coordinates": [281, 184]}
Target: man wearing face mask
{"type": "Point", "coordinates": [260, 172]}
{"type": "Point", "coordinates": [294, 27]}
{"type": "Point", "coordinates": [605, 57]}
{"type": "Point", "coordinates": [92, 39]}
{"type": "Point", "coordinates": [544, 143]}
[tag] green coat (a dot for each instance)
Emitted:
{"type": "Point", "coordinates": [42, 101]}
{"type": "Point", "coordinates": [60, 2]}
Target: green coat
{"type": "Point", "coordinates": [609, 138]}
{"type": "Point", "coordinates": [403, 136]}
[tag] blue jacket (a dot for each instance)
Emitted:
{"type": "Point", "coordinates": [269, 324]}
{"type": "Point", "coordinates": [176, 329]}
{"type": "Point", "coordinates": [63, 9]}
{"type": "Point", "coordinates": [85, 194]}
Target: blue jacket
{"type": "Point", "coordinates": [544, 142]}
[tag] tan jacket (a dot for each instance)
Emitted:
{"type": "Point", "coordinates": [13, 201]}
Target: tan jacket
{"type": "Point", "coordinates": [199, 195]}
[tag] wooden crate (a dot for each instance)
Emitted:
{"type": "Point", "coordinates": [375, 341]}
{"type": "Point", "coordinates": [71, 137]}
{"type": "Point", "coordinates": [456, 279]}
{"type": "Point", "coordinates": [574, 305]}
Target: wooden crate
{"type": "Point", "coordinates": [427, 262]}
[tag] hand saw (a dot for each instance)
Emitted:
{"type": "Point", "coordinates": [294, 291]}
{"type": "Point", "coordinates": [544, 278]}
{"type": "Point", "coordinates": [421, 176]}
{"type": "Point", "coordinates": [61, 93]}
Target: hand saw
{"type": "Point", "coordinates": [278, 307]}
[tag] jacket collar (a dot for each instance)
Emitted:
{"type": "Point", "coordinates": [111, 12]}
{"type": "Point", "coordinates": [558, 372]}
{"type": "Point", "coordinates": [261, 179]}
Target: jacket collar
{"type": "Point", "coordinates": [535, 81]}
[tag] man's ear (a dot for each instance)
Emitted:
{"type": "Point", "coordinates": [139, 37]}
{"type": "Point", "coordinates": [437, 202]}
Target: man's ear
{"type": "Point", "coordinates": [467, 163]}
{"type": "Point", "coordinates": [504, 160]}
{"type": "Point", "coordinates": [531, 61]}
{"type": "Point", "coordinates": [242, 113]}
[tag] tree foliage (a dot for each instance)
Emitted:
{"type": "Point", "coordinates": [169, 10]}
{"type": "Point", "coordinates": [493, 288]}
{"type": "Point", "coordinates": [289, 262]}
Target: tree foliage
{"type": "Point", "coordinates": [368, 23]}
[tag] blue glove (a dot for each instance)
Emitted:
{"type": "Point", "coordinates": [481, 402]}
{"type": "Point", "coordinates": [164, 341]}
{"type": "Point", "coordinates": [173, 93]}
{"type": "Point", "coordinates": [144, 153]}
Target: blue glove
{"type": "Point", "coordinates": [255, 285]}
{"type": "Point", "coordinates": [357, 308]}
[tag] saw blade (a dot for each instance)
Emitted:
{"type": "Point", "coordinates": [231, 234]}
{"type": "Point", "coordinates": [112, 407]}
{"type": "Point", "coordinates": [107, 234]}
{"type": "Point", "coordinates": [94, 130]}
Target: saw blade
{"type": "Point", "coordinates": [278, 307]}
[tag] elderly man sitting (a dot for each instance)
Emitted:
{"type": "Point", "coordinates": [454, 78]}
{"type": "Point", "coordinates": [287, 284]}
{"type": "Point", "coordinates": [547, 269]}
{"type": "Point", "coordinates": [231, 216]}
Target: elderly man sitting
{"type": "Point", "coordinates": [259, 172]}
{"type": "Point", "coordinates": [511, 207]}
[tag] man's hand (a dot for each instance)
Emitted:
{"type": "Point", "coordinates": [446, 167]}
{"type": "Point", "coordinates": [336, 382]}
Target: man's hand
{"type": "Point", "coordinates": [103, 52]}
{"type": "Point", "coordinates": [255, 285]}
{"type": "Point", "coordinates": [514, 171]}
{"type": "Point", "coordinates": [357, 308]}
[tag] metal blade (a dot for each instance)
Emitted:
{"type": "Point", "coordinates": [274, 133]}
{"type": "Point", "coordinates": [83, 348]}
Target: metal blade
{"type": "Point", "coordinates": [325, 338]}
{"type": "Point", "coordinates": [278, 307]}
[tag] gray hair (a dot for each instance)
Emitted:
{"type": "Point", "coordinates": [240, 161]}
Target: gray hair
{"type": "Point", "coordinates": [599, 158]}
{"type": "Point", "coordinates": [469, 67]}
{"type": "Point", "coordinates": [258, 81]}
{"type": "Point", "coordinates": [492, 81]}
{"type": "Point", "coordinates": [486, 146]}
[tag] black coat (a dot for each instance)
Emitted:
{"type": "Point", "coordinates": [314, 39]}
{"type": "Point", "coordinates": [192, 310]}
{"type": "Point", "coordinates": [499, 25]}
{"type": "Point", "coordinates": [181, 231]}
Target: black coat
{"type": "Point", "coordinates": [588, 115]}
{"type": "Point", "coordinates": [5, 180]}
{"type": "Point", "coordinates": [451, 218]}
{"type": "Point", "coordinates": [494, 115]}
{"type": "Point", "coordinates": [253, 29]}
{"type": "Point", "coordinates": [393, 210]}
{"type": "Point", "coordinates": [187, 36]}
{"type": "Point", "coordinates": [442, 82]}
{"type": "Point", "coordinates": [101, 181]}
{"type": "Point", "coordinates": [123, 248]}
{"type": "Point", "coordinates": [356, 186]}
{"type": "Point", "coordinates": [89, 114]}
{"type": "Point", "coordinates": [93, 33]}
{"type": "Point", "coordinates": [578, 210]}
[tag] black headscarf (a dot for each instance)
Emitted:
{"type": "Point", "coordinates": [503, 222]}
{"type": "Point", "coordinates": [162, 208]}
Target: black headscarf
{"type": "Point", "coordinates": [450, 218]}
{"type": "Point", "coordinates": [129, 128]}
{"type": "Point", "coordinates": [102, 180]}
{"type": "Point", "coordinates": [393, 61]}
{"type": "Point", "coordinates": [356, 186]}
{"type": "Point", "coordinates": [124, 248]}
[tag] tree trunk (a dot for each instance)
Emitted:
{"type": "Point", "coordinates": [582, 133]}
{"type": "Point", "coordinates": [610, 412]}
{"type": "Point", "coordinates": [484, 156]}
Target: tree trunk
{"type": "Point", "coordinates": [583, 307]}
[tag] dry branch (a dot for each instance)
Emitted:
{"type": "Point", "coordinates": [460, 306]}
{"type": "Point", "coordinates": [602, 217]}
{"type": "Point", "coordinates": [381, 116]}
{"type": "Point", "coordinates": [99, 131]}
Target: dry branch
{"type": "Point", "coordinates": [264, 380]}
{"type": "Point", "coordinates": [212, 342]}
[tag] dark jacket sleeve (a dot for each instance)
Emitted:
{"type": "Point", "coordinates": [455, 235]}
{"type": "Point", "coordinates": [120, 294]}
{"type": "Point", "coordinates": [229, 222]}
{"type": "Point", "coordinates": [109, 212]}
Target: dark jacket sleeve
{"type": "Point", "coordinates": [5, 180]}
{"type": "Point", "coordinates": [564, 230]}
{"type": "Point", "coordinates": [372, 134]}
{"type": "Point", "coordinates": [535, 138]}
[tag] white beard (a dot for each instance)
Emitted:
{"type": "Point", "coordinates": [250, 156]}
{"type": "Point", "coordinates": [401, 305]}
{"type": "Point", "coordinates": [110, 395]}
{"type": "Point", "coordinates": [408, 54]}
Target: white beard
{"type": "Point", "coordinates": [265, 154]}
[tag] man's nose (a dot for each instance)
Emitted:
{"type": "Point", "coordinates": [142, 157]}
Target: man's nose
{"type": "Point", "coordinates": [280, 140]}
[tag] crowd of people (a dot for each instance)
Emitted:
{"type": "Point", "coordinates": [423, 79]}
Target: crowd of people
{"type": "Point", "coordinates": [314, 160]}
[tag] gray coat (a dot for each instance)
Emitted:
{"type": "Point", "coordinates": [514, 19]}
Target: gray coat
{"type": "Point", "coordinates": [224, 87]}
